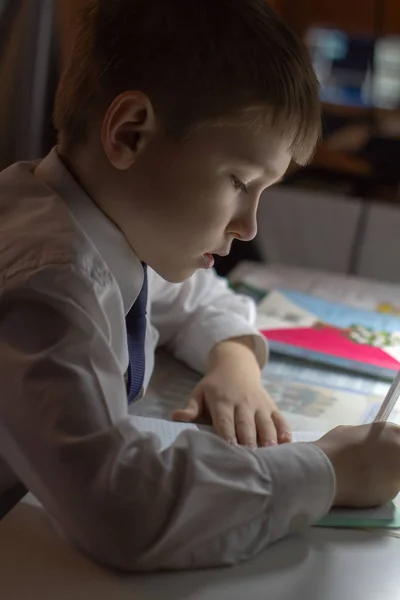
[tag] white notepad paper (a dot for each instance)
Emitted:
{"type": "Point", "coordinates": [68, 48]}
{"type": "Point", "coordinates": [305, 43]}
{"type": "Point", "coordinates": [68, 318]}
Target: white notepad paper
{"type": "Point", "coordinates": [168, 431]}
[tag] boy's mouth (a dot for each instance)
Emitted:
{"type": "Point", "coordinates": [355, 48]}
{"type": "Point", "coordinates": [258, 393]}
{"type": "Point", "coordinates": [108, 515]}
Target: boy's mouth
{"type": "Point", "coordinates": [208, 260]}
{"type": "Point", "coordinates": [208, 257]}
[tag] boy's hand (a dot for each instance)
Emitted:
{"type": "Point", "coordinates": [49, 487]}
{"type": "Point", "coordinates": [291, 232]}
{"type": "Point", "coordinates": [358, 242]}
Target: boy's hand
{"type": "Point", "coordinates": [233, 394]}
{"type": "Point", "coordinates": [366, 461]}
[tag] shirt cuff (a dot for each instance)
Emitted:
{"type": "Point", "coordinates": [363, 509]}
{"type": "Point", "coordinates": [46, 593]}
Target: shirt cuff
{"type": "Point", "coordinates": [306, 492]}
{"type": "Point", "coordinates": [196, 350]}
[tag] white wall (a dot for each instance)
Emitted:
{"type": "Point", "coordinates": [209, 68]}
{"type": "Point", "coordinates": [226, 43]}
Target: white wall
{"type": "Point", "coordinates": [319, 230]}
{"type": "Point", "coordinates": [380, 252]}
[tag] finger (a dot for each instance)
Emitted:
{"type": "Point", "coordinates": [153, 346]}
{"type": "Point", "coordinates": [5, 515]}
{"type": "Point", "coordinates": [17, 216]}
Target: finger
{"type": "Point", "coordinates": [266, 431]}
{"type": "Point", "coordinates": [246, 432]}
{"type": "Point", "coordinates": [283, 431]}
{"type": "Point", "coordinates": [191, 412]}
{"type": "Point", "coordinates": [223, 422]}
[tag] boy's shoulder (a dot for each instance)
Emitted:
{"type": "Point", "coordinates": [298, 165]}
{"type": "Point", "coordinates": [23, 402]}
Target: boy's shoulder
{"type": "Point", "coordinates": [36, 227]}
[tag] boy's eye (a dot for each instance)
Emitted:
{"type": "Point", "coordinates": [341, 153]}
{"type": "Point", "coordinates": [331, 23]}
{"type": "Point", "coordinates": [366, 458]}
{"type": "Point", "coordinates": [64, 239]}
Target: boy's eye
{"type": "Point", "coordinates": [238, 185]}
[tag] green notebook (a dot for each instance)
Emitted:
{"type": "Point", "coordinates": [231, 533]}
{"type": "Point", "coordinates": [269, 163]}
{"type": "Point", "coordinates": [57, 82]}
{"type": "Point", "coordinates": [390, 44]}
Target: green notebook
{"type": "Point", "coordinates": [382, 517]}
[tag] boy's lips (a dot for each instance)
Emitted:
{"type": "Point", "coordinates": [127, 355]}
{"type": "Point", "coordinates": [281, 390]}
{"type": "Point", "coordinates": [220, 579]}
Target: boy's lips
{"type": "Point", "coordinates": [208, 260]}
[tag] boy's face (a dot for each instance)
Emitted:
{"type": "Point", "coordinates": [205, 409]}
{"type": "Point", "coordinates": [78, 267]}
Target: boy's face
{"type": "Point", "coordinates": [180, 202]}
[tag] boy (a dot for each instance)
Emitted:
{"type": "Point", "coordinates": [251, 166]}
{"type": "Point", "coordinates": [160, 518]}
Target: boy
{"type": "Point", "coordinates": [172, 118]}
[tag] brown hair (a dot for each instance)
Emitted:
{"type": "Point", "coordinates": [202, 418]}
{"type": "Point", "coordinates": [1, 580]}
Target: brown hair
{"type": "Point", "coordinates": [197, 60]}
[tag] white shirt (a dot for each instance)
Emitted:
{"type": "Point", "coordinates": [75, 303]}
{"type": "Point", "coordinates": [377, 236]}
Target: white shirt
{"type": "Point", "coordinates": [68, 277]}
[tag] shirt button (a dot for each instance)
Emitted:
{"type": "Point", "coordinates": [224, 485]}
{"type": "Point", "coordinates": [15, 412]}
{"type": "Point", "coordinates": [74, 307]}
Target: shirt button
{"type": "Point", "coordinates": [299, 522]}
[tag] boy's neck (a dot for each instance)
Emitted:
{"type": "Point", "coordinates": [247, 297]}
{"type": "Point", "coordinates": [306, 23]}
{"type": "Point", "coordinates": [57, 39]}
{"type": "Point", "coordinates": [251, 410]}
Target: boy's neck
{"type": "Point", "coordinates": [88, 168]}
{"type": "Point", "coordinates": [78, 162]}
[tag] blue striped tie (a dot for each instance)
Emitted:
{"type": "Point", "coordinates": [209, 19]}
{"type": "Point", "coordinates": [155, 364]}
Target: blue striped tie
{"type": "Point", "coordinates": [136, 333]}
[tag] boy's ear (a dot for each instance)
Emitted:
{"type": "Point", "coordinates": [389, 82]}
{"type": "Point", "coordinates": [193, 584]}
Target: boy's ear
{"type": "Point", "coordinates": [128, 126]}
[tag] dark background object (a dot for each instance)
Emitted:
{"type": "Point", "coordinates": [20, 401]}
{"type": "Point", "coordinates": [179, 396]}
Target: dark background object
{"type": "Point", "coordinates": [29, 71]}
{"type": "Point", "coordinates": [240, 251]}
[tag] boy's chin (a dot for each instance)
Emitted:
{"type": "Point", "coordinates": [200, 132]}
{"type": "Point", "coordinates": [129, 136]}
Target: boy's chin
{"type": "Point", "coordinates": [176, 274]}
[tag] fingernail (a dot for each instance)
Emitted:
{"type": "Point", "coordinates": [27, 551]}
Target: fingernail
{"type": "Point", "coordinates": [271, 443]}
{"type": "Point", "coordinates": [286, 435]}
{"type": "Point", "coordinates": [232, 441]}
{"type": "Point", "coordinates": [251, 446]}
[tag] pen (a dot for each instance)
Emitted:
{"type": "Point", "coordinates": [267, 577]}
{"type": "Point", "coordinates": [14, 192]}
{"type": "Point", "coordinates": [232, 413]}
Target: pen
{"type": "Point", "coordinates": [390, 400]}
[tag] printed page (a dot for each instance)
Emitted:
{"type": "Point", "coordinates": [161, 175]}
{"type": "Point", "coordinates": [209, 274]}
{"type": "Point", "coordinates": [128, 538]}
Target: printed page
{"type": "Point", "coordinates": [317, 405]}
{"type": "Point", "coordinates": [320, 407]}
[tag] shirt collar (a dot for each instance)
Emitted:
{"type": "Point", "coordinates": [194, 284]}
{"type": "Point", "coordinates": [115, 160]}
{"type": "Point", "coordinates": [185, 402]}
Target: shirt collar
{"type": "Point", "coordinates": [106, 237]}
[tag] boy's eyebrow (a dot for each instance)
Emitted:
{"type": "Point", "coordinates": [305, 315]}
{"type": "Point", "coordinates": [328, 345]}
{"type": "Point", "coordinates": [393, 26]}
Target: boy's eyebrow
{"type": "Point", "coordinates": [265, 169]}
{"type": "Point", "coordinates": [268, 173]}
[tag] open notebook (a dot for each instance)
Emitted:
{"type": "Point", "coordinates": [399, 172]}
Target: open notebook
{"type": "Point", "coordinates": [386, 516]}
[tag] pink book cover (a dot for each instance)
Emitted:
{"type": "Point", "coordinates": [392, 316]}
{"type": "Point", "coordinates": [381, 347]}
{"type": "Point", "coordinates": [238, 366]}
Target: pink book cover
{"type": "Point", "coordinates": [312, 328]}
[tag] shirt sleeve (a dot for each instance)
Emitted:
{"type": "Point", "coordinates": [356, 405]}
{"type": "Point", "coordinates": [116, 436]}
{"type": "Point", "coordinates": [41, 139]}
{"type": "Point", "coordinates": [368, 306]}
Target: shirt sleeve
{"type": "Point", "coordinates": [111, 491]}
{"type": "Point", "coordinates": [193, 316]}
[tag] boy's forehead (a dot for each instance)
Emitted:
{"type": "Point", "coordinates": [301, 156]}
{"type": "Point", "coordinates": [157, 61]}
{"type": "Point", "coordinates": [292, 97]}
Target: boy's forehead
{"type": "Point", "coordinates": [264, 147]}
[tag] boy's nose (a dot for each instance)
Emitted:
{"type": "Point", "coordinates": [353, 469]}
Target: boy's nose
{"type": "Point", "coordinates": [245, 227]}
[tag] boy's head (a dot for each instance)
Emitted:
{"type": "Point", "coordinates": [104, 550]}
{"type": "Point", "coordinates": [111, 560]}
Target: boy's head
{"type": "Point", "coordinates": [176, 114]}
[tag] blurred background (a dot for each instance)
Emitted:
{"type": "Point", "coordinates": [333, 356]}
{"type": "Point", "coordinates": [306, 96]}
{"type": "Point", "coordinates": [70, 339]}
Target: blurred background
{"type": "Point", "coordinates": [340, 214]}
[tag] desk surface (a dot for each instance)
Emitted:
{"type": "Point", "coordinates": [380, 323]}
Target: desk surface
{"type": "Point", "coordinates": [320, 565]}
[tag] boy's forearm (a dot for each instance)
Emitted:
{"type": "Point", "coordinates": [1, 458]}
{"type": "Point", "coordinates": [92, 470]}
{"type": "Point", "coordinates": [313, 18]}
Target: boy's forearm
{"type": "Point", "coordinates": [241, 349]}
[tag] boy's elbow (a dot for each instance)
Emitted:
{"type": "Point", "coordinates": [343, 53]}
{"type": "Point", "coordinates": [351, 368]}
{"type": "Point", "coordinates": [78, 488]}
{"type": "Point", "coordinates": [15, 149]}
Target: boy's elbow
{"type": "Point", "coordinates": [117, 538]}
{"type": "Point", "coordinates": [116, 548]}
{"type": "Point", "coordinates": [120, 549]}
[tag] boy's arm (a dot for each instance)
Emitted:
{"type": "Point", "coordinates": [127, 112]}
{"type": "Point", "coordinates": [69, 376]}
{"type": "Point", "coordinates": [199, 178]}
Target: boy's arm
{"type": "Point", "coordinates": [66, 434]}
{"type": "Point", "coordinates": [212, 329]}
{"type": "Point", "coordinates": [194, 316]}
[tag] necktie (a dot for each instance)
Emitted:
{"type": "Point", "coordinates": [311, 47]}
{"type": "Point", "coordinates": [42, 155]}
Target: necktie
{"type": "Point", "coordinates": [136, 333]}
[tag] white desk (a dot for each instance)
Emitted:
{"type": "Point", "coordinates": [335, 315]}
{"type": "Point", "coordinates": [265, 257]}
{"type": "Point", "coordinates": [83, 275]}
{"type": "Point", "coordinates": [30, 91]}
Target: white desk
{"type": "Point", "coordinates": [321, 564]}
